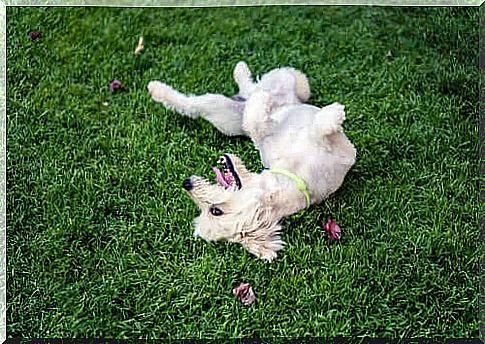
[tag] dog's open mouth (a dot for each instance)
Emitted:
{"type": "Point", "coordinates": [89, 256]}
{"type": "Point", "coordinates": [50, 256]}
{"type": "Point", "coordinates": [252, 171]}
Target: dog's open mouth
{"type": "Point", "coordinates": [229, 177]}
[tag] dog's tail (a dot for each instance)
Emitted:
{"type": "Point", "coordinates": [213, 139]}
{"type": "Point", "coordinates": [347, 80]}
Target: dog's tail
{"type": "Point", "coordinates": [302, 85]}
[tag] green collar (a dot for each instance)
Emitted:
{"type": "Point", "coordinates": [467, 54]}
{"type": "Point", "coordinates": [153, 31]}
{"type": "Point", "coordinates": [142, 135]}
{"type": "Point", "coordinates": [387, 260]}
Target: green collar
{"type": "Point", "coordinates": [300, 183]}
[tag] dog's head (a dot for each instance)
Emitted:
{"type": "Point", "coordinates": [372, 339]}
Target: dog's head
{"type": "Point", "coordinates": [237, 208]}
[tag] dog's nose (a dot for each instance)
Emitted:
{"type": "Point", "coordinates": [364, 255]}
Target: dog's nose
{"type": "Point", "coordinates": [187, 184]}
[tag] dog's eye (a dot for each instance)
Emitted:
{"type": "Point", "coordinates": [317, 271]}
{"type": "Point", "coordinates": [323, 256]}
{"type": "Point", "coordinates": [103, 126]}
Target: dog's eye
{"type": "Point", "coordinates": [216, 211]}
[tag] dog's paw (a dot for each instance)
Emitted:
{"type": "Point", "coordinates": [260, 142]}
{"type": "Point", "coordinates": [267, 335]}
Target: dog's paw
{"type": "Point", "coordinates": [267, 255]}
{"type": "Point", "coordinates": [265, 249]}
{"type": "Point", "coordinates": [337, 112]}
{"type": "Point", "coordinates": [241, 73]}
{"type": "Point", "coordinates": [264, 253]}
{"type": "Point", "coordinates": [328, 120]}
{"type": "Point", "coordinates": [158, 90]}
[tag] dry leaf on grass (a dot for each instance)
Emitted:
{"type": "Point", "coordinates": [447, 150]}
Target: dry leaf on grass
{"type": "Point", "coordinates": [139, 48]}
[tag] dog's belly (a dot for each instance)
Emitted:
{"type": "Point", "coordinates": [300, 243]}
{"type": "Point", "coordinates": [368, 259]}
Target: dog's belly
{"type": "Point", "coordinates": [322, 164]}
{"type": "Point", "coordinates": [290, 139]}
{"type": "Point", "coordinates": [294, 114]}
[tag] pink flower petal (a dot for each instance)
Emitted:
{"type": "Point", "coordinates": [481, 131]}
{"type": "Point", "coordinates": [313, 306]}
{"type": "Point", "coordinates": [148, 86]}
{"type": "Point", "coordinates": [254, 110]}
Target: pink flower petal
{"type": "Point", "coordinates": [33, 35]}
{"type": "Point", "coordinates": [245, 293]}
{"type": "Point", "coordinates": [115, 85]}
{"type": "Point", "coordinates": [333, 230]}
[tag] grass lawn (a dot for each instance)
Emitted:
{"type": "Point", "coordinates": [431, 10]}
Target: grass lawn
{"type": "Point", "coordinates": [99, 229]}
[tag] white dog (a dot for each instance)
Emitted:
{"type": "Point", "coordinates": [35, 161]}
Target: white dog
{"type": "Point", "coordinates": [303, 148]}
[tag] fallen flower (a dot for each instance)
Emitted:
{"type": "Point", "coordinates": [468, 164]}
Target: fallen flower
{"type": "Point", "coordinates": [139, 48]}
{"type": "Point", "coordinates": [245, 293]}
{"type": "Point", "coordinates": [333, 230]}
{"type": "Point", "coordinates": [33, 35]}
{"type": "Point", "coordinates": [115, 85]}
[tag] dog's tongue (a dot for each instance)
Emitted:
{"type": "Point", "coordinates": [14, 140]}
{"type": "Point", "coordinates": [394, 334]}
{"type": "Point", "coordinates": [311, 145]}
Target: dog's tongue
{"type": "Point", "coordinates": [220, 177]}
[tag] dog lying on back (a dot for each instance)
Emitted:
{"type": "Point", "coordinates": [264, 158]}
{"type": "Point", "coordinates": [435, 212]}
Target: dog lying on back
{"type": "Point", "coordinates": [303, 148]}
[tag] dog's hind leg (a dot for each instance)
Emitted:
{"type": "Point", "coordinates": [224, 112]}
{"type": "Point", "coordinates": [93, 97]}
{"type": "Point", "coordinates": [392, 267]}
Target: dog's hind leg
{"type": "Point", "coordinates": [328, 120]}
{"type": "Point", "coordinates": [257, 121]}
{"type": "Point", "coordinates": [224, 113]}
{"type": "Point", "coordinates": [244, 80]}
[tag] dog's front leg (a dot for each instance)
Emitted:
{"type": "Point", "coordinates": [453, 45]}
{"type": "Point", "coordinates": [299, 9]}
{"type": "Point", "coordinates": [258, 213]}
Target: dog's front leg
{"type": "Point", "coordinates": [328, 121]}
{"type": "Point", "coordinates": [256, 120]}
{"type": "Point", "coordinates": [224, 113]}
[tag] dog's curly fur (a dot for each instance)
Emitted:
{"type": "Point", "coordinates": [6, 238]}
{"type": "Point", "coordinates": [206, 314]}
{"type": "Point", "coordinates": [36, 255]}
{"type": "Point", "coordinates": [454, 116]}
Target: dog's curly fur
{"type": "Point", "coordinates": [301, 138]}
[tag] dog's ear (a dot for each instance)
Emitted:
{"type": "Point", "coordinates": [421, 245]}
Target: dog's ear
{"type": "Point", "coordinates": [261, 236]}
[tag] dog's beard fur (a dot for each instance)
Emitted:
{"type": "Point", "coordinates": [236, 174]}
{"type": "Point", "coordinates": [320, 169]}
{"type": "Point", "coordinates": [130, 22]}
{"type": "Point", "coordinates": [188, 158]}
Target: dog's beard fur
{"type": "Point", "coordinates": [247, 216]}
